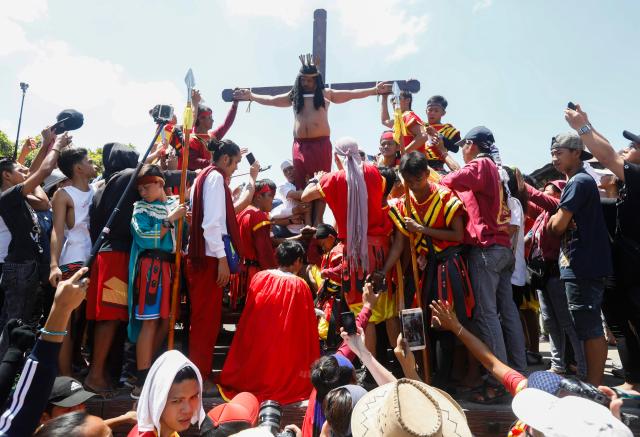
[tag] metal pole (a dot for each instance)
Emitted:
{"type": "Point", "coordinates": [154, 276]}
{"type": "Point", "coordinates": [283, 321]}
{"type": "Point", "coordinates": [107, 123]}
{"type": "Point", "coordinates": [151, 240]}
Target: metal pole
{"type": "Point", "coordinates": [23, 87]}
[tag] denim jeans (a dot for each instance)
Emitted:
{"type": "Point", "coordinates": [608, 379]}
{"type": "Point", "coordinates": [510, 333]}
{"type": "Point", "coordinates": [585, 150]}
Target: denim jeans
{"type": "Point", "coordinates": [559, 325]}
{"type": "Point", "coordinates": [20, 283]}
{"type": "Point", "coordinates": [496, 316]}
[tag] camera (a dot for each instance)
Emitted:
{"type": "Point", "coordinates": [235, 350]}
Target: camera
{"type": "Point", "coordinates": [24, 86]}
{"type": "Point", "coordinates": [162, 113]}
{"type": "Point", "coordinates": [574, 387]}
{"type": "Point", "coordinates": [269, 417]}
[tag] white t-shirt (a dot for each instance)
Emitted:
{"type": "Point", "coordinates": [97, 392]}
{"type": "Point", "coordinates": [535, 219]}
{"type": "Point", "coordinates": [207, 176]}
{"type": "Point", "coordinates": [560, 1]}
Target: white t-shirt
{"type": "Point", "coordinates": [519, 276]}
{"type": "Point", "coordinates": [285, 209]}
{"type": "Point", "coordinates": [5, 240]}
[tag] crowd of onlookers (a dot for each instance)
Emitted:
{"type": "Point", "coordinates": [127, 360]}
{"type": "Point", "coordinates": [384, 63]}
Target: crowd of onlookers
{"type": "Point", "coordinates": [492, 259]}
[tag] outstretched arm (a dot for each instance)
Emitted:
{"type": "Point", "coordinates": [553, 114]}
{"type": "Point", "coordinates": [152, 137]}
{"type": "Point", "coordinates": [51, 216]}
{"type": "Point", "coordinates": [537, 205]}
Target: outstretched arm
{"type": "Point", "coordinates": [446, 316]}
{"type": "Point", "coordinates": [343, 96]}
{"type": "Point", "coordinates": [597, 144]}
{"type": "Point", "coordinates": [280, 101]}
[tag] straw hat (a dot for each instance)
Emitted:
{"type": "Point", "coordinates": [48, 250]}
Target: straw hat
{"type": "Point", "coordinates": [408, 408]}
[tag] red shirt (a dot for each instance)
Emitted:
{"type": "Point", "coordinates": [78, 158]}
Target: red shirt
{"type": "Point", "coordinates": [333, 187]}
{"type": "Point", "coordinates": [255, 238]}
{"type": "Point", "coordinates": [478, 186]}
{"type": "Point", "coordinates": [331, 266]}
{"type": "Point", "coordinates": [410, 118]}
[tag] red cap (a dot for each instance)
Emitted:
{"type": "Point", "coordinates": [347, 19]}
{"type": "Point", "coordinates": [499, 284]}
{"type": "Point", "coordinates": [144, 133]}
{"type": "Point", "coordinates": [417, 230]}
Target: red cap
{"type": "Point", "coordinates": [386, 135]}
{"type": "Point", "coordinates": [241, 413]}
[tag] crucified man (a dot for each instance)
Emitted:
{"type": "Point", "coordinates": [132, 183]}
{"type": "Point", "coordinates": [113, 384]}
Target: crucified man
{"type": "Point", "coordinates": [310, 101]}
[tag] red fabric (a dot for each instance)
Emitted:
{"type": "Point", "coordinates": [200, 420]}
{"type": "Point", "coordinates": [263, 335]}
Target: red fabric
{"type": "Point", "coordinates": [219, 132]}
{"type": "Point", "coordinates": [478, 186]}
{"type": "Point", "coordinates": [154, 282]}
{"type": "Point", "coordinates": [107, 292]}
{"type": "Point", "coordinates": [275, 343]}
{"type": "Point", "coordinates": [331, 266]}
{"type": "Point", "coordinates": [353, 280]}
{"type": "Point", "coordinates": [255, 238]}
{"type": "Point", "coordinates": [199, 155]}
{"type": "Point", "coordinates": [511, 381]}
{"type": "Point", "coordinates": [334, 189]}
{"type": "Point", "coordinates": [309, 156]}
{"type": "Point", "coordinates": [135, 433]}
{"type": "Point", "coordinates": [196, 235]}
{"type": "Point", "coordinates": [206, 312]}
{"type": "Point", "coordinates": [542, 200]}
{"type": "Point", "coordinates": [410, 118]}
{"type": "Point", "coordinates": [543, 240]}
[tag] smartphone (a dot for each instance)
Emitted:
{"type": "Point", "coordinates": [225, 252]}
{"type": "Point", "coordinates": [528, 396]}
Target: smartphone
{"type": "Point", "coordinates": [251, 158]}
{"type": "Point", "coordinates": [348, 321]}
{"type": "Point", "coordinates": [571, 105]}
{"type": "Point", "coordinates": [412, 321]}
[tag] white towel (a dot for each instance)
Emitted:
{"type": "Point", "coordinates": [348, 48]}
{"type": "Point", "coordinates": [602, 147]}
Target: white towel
{"type": "Point", "coordinates": [156, 389]}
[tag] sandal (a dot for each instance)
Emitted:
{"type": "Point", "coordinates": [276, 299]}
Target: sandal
{"type": "Point", "coordinates": [488, 394]}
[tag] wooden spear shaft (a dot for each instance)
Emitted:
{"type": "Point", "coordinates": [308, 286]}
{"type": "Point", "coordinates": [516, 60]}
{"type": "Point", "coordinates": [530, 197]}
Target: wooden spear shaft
{"type": "Point", "coordinates": [187, 123]}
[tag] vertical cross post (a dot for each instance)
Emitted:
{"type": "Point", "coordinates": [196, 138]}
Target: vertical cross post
{"type": "Point", "coordinates": [320, 39]}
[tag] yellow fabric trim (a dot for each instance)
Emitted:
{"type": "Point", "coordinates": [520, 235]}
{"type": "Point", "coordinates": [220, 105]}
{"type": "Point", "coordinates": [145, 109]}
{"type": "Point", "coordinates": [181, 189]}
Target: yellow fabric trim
{"type": "Point", "coordinates": [396, 218]}
{"type": "Point", "coordinates": [320, 189]}
{"type": "Point", "coordinates": [261, 224]}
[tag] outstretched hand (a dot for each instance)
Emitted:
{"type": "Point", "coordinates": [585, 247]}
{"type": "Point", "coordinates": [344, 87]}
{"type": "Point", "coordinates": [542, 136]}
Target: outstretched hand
{"type": "Point", "coordinates": [355, 341]}
{"type": "Point", "coordinates": [577, 118]}
{"type": "Point", "coordinates": [196, 98]}
{"type": "Point", "coordinates": [242, 94]}
{"type": "Point", "coordinates": [71, 292]}
{"type": "Point", "coordinates": [445, 316]}
{"type": "Point", "coordinates": [369, 298]}
{"type": "Point", "coordinates": [403, 354]}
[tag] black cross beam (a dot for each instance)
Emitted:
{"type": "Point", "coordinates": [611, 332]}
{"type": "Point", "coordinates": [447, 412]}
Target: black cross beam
{"type": "Point", "coordinates": [319, 45]}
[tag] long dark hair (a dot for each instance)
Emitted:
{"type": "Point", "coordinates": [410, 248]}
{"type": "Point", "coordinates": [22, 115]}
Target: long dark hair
{"type": "Point", "coordinates": [297, 94]}
{"type": "Point", "coordinates": [522, 196]}
{"type": "Point", "coordinates": [222, 147]}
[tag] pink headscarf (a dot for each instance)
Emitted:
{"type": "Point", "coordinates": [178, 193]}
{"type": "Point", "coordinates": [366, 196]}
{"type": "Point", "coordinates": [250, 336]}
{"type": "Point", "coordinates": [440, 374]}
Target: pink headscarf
{"type": "Point", "coordinates": [357, 209]}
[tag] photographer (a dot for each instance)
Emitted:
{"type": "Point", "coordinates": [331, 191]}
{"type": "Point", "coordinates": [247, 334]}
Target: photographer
{"type": "Point", "coordinates": [624, 313]}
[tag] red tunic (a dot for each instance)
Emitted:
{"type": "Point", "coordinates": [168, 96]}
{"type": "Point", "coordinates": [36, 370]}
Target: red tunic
{"type": "Point", "coordinates": [199, 155]}
{"type": "Point", "coordinates": [333, 187]}
{"type": "Point", "coordinates": [255, 237]}
{"type": "Point", "coordinates": [410, 118]}
{"type": "Point", "coordinates": [275, 343]}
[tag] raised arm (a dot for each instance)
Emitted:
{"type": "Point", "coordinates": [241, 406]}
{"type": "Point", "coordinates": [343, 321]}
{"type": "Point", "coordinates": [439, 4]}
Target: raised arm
{"type": "Point", "coordinates": [280, 101]}
{"type": "Point", "coordinates": [222, 130]}
{"type": "Point", "coordinates": [597, 144]}
{"type": "Point", "coordinates": [384, 112]}
{"type": "Point", "coordinates": [49, 163]}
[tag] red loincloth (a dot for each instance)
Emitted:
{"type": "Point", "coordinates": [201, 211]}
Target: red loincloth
{"type": "Point", "coordinates": [309, 156]}
{"type": "Point", "coordinates": [107, 292]}
{"type": "Point", "coordinates": [275, 343]}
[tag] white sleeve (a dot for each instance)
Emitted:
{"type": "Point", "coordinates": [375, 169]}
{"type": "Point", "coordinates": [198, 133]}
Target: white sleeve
{"type": "Point", "coordinates": [281, 211]}
{"type": "Point", "coordinates": [214, 221]}
{"type": "Point", "coordinates": [516, 211]}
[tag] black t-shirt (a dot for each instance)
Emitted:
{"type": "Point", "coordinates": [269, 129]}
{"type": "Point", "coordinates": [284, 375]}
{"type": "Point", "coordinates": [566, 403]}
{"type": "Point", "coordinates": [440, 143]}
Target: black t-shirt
{"type": "Point", "coordinates": [629, 206]}
{"type": "Point", "coordinates": [585, 251]}
{"type": "Point", "coordinates": [22, 222]}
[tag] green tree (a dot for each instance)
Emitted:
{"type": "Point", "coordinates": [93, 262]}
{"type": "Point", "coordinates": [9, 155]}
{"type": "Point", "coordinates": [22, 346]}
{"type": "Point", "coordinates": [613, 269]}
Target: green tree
{"type": "Point", "coordinates": [6, 146]}
{"type": "Point", "coordinates": [96, 156]}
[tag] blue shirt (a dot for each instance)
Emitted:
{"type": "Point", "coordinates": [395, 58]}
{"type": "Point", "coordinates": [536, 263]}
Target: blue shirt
{"type": "Point", "coordinates": [585, 251]}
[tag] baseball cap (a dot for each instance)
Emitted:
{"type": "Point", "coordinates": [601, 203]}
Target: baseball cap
{"type": "Point", "coordinates": [286, 164]}
{"type": "Point", "coordinates": [68, 392]}
{"type": "Point", "coordinates": [234, 416]}
{"type": "Point", "coordinates": [54, 178]}
{"type": "Point", "coordinates": [570, 140]}
{"type": "Point", "coordinates": [631, 137]}
{"type": "Point", "coordinates": [480, 135]}
{"type": "Point", "coordinates": [567, 416]}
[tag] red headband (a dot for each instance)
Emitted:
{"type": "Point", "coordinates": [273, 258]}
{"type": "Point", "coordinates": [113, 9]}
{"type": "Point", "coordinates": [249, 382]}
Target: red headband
{"type": "Point", "coordinates": [203, 114]}
{"type": "Point", "coordinates": [143, 180]}
{"type": "Point", "coordinates": [265, 189]}
{"type": "Point", "coordinates": [386, 135]}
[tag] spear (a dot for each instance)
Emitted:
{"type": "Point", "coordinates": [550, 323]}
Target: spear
{"type": "Point", "coordinates": [399, 130]}
{"type": "Point", "coordinates": [187, 124]}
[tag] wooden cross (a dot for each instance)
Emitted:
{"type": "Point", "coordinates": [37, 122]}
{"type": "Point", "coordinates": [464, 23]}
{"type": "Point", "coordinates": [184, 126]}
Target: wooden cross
{"type": "Point", "coordinates": [319, 45]}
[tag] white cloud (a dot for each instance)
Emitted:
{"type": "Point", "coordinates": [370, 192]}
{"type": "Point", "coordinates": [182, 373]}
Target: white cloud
{"type": "Point", "coordinates": [482, 4]}
{"type": "Point", "coordinates": [368, 23]}
{"type": "Point", "coordinates": [26, 11]}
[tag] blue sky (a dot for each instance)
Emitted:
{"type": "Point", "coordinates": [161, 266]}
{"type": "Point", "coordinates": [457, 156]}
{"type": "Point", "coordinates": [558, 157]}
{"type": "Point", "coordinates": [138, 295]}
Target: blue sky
{"type": "Point", "coordinates": [509, 65]}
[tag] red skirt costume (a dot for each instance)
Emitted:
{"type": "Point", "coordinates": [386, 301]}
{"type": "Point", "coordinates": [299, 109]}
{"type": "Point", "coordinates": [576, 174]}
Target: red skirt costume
{"type": "Point", "coordinates": [309, 156]}
{"type": "Point", "coordinates": [446, 276]}
{"type": "Point", "coordinates": [256, 248]}
{"type": "Point", "coordinates": [107, 292]}
{"type": "Point", "coordinates": [333, 187]}
{"type": "Point", "coordinates": [275, 343]}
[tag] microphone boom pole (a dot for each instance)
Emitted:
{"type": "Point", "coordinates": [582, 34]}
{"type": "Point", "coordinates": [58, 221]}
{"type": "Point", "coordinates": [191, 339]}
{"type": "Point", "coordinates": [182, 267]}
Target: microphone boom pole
{"type": "Point", "coordinates": [107, 227]}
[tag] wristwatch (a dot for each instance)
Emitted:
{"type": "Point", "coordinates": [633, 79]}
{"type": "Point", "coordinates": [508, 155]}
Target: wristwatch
{"type": "Point", "coordinates": [584, 129]}
{"type": "Point", "coordinates": [167, 224]}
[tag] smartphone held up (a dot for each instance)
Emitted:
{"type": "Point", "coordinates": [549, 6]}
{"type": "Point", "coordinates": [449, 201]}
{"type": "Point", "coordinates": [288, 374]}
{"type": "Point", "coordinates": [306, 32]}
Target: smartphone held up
{"type": "Point", "coordinates": [412, 321]}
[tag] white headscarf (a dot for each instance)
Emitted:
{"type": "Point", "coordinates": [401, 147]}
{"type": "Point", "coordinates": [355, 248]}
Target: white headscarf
{"type": "Point", "coordinates": [156, 389]}
{"type": "Point", "coordinates": [357, 207]}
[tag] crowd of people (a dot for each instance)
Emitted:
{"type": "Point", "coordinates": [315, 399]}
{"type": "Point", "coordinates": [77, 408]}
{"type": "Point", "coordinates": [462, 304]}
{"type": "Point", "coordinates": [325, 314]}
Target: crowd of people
{"type": "Point", "coordinates": [492, 258]}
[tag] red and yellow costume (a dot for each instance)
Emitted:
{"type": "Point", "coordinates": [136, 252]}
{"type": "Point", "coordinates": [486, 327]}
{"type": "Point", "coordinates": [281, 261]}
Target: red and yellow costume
{"type": "Point", "coordinates": [449, 277]}
{"type": "Point", "coordinates": [333, 187]}
{"type": "Point", "coordinates": [450, 136]}
{"type": "Point", "coordinates": [331, 268]}
{"type": "Point", "coordinates": [256, 248]}
{"type": "Point", "coordinates": [275, 343]}
{"type": "Point", "coordinates": [410, 119]}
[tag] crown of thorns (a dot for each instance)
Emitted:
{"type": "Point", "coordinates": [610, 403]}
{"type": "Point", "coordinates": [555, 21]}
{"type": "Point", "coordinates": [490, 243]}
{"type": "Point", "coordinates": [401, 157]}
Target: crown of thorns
{"type": "Point", "coordinates": [310, 64]}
